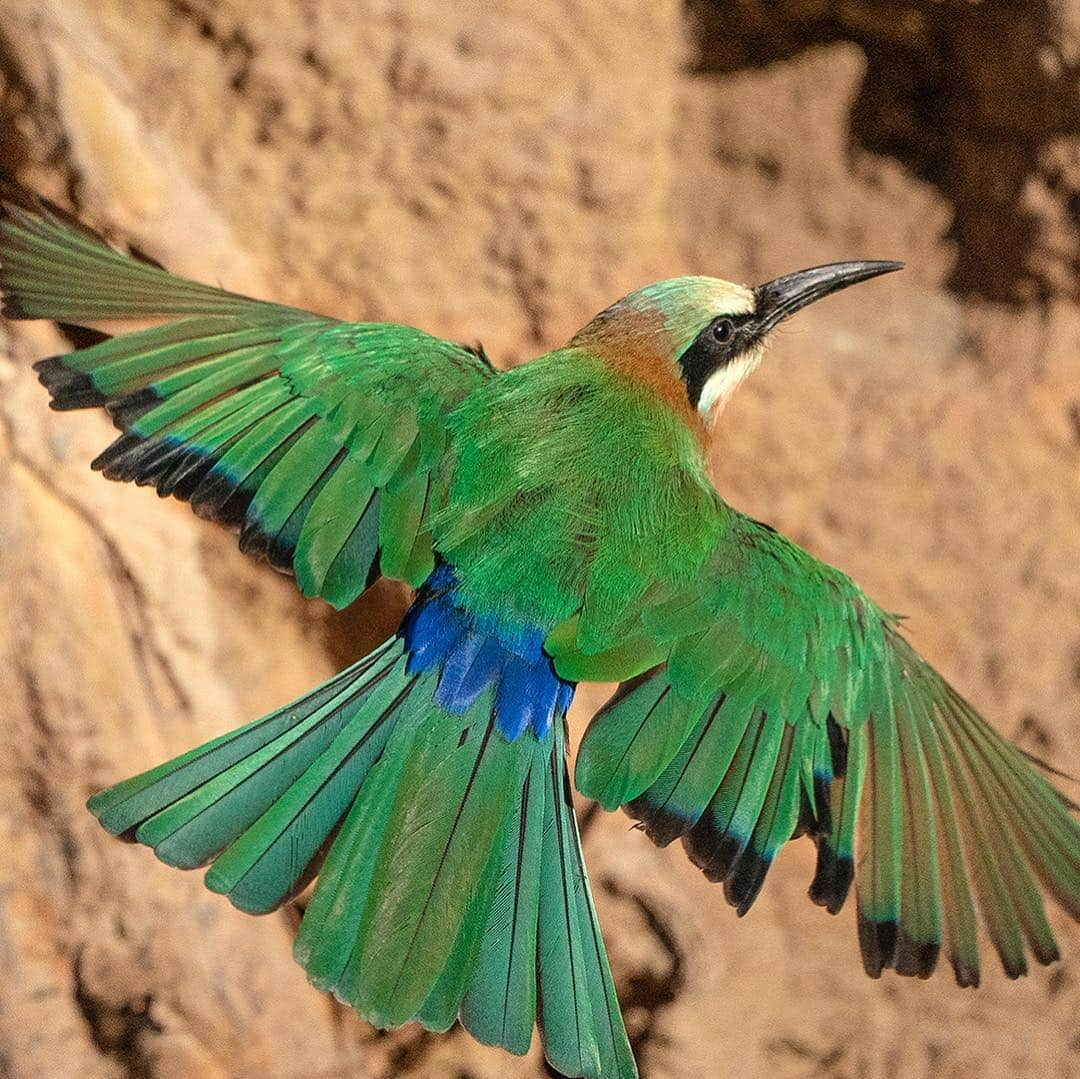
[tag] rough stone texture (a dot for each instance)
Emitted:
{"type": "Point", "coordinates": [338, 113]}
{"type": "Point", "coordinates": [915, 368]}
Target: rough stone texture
{"type": "Point", "coordinates": [970, 96]}
{"type": "Point", "coordinates": [502, 170]}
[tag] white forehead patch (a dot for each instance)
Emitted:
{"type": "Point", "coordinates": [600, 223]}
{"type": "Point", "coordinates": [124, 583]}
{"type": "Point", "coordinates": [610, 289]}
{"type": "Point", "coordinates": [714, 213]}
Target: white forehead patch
{"type": "Point", "coordinates": [722, 383]}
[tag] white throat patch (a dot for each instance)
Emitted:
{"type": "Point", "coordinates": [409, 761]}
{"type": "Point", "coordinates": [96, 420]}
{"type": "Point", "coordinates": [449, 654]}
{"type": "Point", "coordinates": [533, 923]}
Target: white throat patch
{"type": "Point", "coordinates": [723, 383]}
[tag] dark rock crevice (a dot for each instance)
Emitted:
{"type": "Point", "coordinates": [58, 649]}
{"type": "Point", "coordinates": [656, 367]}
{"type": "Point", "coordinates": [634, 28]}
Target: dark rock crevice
{"type": "Point", "coordinates": [646, 994]}
{"type": "Point", "coordinates": [977, 99]}
{"type": "Point", "coordinates": [117, 1031]}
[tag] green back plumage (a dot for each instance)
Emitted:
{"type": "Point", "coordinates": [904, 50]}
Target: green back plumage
{"type": "Point", "coordinates": [572, 490]}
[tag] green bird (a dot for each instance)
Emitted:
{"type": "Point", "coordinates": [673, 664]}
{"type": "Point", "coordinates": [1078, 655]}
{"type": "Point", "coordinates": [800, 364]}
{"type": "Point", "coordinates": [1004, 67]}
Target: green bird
{"type": "Point", "coordinates": [559, 526]}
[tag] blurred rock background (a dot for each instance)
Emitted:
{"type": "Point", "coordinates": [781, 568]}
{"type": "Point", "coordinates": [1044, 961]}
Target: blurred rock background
{"type": "Point", "coordinates": [501, 170]}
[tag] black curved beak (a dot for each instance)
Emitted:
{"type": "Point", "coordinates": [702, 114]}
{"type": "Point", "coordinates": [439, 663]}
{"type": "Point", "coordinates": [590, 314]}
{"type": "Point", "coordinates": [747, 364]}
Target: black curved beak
{"type": "Point", "coordinates": [782, 297]}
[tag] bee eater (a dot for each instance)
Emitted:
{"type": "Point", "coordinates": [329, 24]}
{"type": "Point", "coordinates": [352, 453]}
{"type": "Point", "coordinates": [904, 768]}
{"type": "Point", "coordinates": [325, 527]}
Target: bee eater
{"type": "Point", "coordinates": [558, 525]}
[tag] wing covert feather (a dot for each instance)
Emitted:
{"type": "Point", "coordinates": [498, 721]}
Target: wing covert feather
{"type": "Point", "coordinates": [784, 702]}
{"type": "Point", "coordinates": [320, 441]}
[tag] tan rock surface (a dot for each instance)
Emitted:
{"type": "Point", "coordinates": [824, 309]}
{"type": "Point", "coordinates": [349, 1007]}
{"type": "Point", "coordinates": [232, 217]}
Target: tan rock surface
{"type": "Point", "coordinates": [502, 170]}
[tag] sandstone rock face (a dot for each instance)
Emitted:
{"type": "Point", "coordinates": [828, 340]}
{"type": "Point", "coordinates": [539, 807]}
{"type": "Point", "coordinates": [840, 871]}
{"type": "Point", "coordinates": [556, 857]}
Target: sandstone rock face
{"type": "Point", "coordinates": [502, 170]}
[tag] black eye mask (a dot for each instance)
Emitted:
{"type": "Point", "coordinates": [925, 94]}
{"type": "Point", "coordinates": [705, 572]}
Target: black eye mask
{"type": "Point", "coordinates": [723, 340]}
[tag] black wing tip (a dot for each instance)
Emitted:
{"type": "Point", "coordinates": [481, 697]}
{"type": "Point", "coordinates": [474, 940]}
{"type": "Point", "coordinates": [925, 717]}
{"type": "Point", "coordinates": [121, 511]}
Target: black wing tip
{"type": "Point", "coordinates": [1014, 968]}
{"type": "Point", "coordinates": [126, 410]}
{"type": "Point", "coordinates": [967, 977]}
{"type": "Point", "coordinates": [1046, 955]}
{"type": "Point", "coordinates": [838, 747]}
{"type": "Point", "coordinates": [273, 549]}
{"type": "Point", "coordinates": [68, 388]}
{"type": "Point", "coordinates": [659, 824]}
{"type": "Point", "coordinates": [81, 336]}
{"type": "Point", "coordinates": [916, 958]}
{"type": "Point", "coordinates": [713, 852]}
{"type": "Point", "coordinates": [817, 821]}
{"type": "Point", "coordinates": [832, 881]}
{"type": "Point", "coordinates": [743, 884]}
{"type": "Point", "coordinates": [277, 553]}
{"type": "Point", "coordinates": [885, 944]}
{"type": "Point", "coordinates": [253, 540]}
{"type": "Point", "coordinates": [11, 307]}
{"type": "Point", "coordinates": [110, 457]}
{"type": "Point", "coordinates": [147, 462]}
{"type": "Point", "coordinates": [219, 498]}
{"type": "Point", "coordinates": [181, 472]}
{"type": "Point", "coordinates": [877, 942]}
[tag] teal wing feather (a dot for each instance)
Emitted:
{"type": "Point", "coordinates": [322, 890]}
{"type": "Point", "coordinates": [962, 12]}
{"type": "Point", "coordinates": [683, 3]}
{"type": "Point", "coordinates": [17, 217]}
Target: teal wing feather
{"type": "Point", "coordinates": [771, 698]}
{"type": "Point", "coordinates": [320, 441]}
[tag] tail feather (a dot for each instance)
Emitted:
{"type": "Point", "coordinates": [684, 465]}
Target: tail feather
{"type": "Point", "coordinates": [192, 809]}
{"type": "Point", "coordinates": [500, 1006]}
{"type": "Point", "coordinates": [612, 1045]}
{"type": "Point", "coordinates": [450, 878]}
{"type": "Point", "coordinates": [444, 1003]}
{"type": "Point", "coordinates": [125, 806]}
{"type": "Point", "coordinates": [332, 920]}
{"type": "Point", "coordinates": [565, 1005]}
{"type": "Point", "coordinates": [264, 866]}
{"type": "Point", "coordinates": [451, 810]}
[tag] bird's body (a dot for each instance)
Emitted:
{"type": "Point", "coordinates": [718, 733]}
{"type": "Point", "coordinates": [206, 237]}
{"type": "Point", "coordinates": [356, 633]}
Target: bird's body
{"type": "Point", "coordinates": [559, 526]}
{"type": "Point", "coordinates": [563, 475]}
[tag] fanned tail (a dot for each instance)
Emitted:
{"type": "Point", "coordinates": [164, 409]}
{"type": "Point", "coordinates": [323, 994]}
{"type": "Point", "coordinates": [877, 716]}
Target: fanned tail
{"type": "Point", "coordinates": [453, 884]}
{"type": "Point", "coordinates": [260, 802]}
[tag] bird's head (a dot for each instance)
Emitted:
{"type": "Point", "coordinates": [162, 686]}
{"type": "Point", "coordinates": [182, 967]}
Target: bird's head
{"type": "Point", "coordinates": [700, 336]}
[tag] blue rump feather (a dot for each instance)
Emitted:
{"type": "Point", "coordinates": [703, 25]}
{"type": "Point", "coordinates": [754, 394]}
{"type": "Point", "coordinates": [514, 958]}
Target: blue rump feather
{"type": "Point", "coordinates": [475, 652]}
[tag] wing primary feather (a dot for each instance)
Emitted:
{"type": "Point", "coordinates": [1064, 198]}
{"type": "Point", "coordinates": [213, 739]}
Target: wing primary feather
{"type": "Point", "coordinates": [836, 851]}
{"type": "Point", "coordinates": [1023, 895]}
{"type": "Point", "coordinates": [960, 926]}
{"type": "Point", "coordinates": [994, 900]}
{"type": "Point", "coordinates": [919, 938]}
{"type": "Point", "coordinates": [724, 829]}
{"type": "Point", "coordinates": [776, 822]}
{"type": "Point", "coordinates": [878, 884]}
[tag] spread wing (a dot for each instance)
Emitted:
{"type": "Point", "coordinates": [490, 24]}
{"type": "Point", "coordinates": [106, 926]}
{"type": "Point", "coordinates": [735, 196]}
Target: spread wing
{"type": "Point", "coordinates": [787, 703]}
{"type": "Point", "coordinates": [318, 440]}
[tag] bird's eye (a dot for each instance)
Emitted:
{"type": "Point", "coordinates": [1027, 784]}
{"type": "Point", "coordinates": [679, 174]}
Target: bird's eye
{"type": "Point", "coordinates": [723, 330]}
